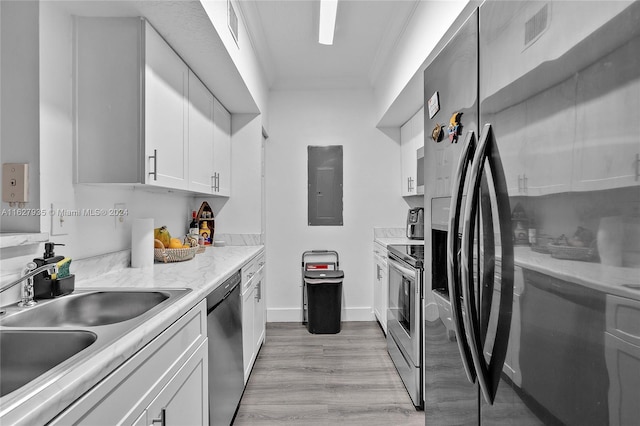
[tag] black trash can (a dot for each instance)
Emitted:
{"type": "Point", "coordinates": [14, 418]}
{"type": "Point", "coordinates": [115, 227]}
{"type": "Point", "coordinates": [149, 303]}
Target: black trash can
{"type": "Point", "coordinates": [324, 301]}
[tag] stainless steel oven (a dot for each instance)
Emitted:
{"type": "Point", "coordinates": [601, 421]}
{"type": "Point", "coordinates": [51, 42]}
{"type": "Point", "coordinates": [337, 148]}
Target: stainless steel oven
{"type": "Point", "coordinates": [404, 316]}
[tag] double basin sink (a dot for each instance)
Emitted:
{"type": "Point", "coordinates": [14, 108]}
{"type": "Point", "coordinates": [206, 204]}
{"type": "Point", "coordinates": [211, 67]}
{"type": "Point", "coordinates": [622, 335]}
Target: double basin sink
{"type": "Point", "coordinates": [40, 342]}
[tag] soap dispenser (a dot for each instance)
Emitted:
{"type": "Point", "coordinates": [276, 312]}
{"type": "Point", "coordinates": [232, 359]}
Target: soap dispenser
{"type": "Point", "coordinates": [46, 286]}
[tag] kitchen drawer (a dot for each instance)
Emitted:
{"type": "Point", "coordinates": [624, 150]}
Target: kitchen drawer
{"type": "Point", "coordinates": [249, 271]}
{"type": "Point", "coordinates": [123, 395]}
{"type": "Point", "coordinates": [379, 250]}
{"type": "Point", "coordinates": [623, 318]}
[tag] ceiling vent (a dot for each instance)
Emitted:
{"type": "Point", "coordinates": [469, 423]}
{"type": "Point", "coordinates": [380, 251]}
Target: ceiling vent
{"type": "Point", "coordinates": [232, 21]}
{"type": "Point", "coordinates": [536, 25]}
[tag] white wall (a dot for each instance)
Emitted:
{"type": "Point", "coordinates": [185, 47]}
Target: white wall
{"type": "Point", "coordinates": [86, 236]}
{"type": "Point", "coordinates": [19, 104]}
{"type": "Point", "coordinates": [429, 22]}
{"type": "Point", "coordinates": [241, 53]}
{"type": "Point", "coordinates": [371, 194]}
{"type": "Point", "coordinates": [241, 212]}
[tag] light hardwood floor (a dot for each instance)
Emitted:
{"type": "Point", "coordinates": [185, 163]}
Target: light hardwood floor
{"type": "Point", "coordinates": [325, 379]}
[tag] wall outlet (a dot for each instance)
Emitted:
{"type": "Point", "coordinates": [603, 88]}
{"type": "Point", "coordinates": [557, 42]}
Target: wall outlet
{"type": "Point", "coordinates": [120, 213]}
{"type": "Point", "coordinates": [15, 183]}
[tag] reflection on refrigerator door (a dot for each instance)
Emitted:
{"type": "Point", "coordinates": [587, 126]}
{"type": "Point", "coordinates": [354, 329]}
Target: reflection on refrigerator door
{"type": "Point", "coordinates": [544, 286]}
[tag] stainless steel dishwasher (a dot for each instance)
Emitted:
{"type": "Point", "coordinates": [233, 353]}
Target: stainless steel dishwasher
{"type": "Point", "coordinates": [224, 330]}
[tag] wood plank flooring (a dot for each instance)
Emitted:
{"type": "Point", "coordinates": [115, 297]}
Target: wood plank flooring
{"type": "Point", "coordinates": [325, 379]}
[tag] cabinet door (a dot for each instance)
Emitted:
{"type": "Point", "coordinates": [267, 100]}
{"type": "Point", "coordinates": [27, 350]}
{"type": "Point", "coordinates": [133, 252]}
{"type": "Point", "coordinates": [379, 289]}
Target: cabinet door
{"type": "Point", "coordinates": [607, 145]}
{"type": "Point", "coordinates": [222, 149]}
{"type": "Point", "coordinates": [377, 293]}
{"type": "Point", "coordinates": [258, 315]}
{"type": "Point", "coordinates": [248, 345]}
{"type": "Point", "coordinates": [166, 140]}
{"type": "Point", "coordinates": [380, 291]}
{"type": "Point", "coordinates": [185, 399]}
{"type": "Point", "coordinates": [384, 292]}
{"type": "Point", "coordinates": [408, 159]}
{"type": "Point", "coordinates": [200, 136]}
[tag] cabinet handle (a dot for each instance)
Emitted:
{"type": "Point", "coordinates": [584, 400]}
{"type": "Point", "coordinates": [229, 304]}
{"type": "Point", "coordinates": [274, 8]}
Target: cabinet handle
{"type": "Point", "coordinates": [637, 167]}
{"type": "Point", "coordinates": [525, 184]}
{"type": "Point", "coordinates": [155, 164]}
{"type": "Point", "coordinates": [258, 295]}
{"type": "Point", "coordinates": [213, 182]}
{"type": "Point", "coordinates": [163, 418]}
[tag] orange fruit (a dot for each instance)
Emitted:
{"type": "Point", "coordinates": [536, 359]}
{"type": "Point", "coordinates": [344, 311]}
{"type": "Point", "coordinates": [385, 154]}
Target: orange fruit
{"type": "Point", "coordinates": [175, 243]}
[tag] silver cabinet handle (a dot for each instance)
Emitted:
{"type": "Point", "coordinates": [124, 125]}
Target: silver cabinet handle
{"type": "Point", "coordinates": [155, 164]}
{"type": "Point", "coordinates": [163, 418]}
{"type": "Point", "coordinates": [453, 255]}
{"type": "Point", "coordinates": [258, 295]}
{"type": "Point", "coordinates": [213, 182]}
{"type": "Point", "coordinates": [637, 167]}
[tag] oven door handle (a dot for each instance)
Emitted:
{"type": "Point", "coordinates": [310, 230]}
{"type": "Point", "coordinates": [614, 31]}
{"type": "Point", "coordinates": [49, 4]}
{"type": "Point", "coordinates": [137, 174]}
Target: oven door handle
{"type": "Point", "coordinates": [488, 372]}
{"type": "Point", "coordinates": [402, 269]}
{"type": "Point", "coordinates": [453, 255]}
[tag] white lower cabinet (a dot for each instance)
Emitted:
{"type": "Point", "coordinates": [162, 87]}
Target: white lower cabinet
{"type": "Point", "coordinates": [380, 285]}
{"type": "Point", "coordinates": [180, 402]}
{"type": "Point", "coordinates": [168, 377]}
{"type": "Point", "coordinates": [253, 312]}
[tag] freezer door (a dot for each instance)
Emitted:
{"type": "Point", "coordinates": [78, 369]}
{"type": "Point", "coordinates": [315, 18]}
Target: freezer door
{"type": "Point", "coordinates": [451, 397]}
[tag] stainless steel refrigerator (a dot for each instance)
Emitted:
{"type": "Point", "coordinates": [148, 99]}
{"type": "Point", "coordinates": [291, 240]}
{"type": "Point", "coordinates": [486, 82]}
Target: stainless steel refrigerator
{"type": "Point", "coordinates": [532, 168]}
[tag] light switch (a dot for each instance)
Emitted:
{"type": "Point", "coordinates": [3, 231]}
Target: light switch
{"type": "Point", "coordinates": [60, 220]}
{"type": "Point", "coordinates": [15, 183]}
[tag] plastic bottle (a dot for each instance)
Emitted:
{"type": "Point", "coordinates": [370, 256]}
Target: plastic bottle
{"type": "Point", "coordinates": [205, 233]}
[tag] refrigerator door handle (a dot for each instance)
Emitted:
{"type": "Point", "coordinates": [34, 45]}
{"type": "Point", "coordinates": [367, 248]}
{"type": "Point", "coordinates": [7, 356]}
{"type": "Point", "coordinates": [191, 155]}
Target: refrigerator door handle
{"type": "Point", "coordinates": [488, 372]}
{"type": "Point", "coordinates": [453, 255]}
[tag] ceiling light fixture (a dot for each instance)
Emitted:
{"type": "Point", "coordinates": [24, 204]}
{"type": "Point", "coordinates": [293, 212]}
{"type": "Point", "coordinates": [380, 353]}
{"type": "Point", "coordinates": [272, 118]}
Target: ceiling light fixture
{"type": "Point", "coordinates": [328, 9]}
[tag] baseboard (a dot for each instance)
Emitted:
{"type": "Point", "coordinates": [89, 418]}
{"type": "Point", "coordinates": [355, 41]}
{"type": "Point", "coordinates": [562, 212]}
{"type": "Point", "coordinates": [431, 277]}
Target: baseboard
{"type": "Point", "coordinates": [295, 314]}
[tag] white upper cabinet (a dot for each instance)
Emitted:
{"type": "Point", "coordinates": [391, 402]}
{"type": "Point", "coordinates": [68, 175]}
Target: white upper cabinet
{"type": "Point", "coordinates": [222, 150]}
{"type": "Point", "coordinates": [411, 139]}
{"type": "Point", "coordinates": [201, 136]}
{"type": "Point", "coordinates": [166, 146]}
{"type": "Point", "coordinates": [142, 116]}
{"type": "Point", "coordinates": [607, 145]}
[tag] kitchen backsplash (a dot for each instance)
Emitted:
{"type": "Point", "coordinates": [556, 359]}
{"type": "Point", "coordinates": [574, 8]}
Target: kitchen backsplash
{"type": "Point", "coordinates": [239, 239]}
{"type": "Point", "coordinates": [389, 233]}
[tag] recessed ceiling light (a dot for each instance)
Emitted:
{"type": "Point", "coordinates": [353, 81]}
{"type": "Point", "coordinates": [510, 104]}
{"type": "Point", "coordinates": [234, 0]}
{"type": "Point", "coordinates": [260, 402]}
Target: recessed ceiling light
{"type": "Point", "coordinates": [328, 9]}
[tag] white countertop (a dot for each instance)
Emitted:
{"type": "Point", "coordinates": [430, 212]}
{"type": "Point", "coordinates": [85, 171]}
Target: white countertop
{"type": "Point", "coordinates": [387, 241]}
{"type": "Point", "coordinates": [38, 403]}
{"type": "Point", "coordinates": [608, 279]}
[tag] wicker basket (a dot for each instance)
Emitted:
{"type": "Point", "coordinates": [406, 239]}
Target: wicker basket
{"type": "Point", "coordinates": [585, 254]}
{"type": "Point", "coordinates": [174, 255]}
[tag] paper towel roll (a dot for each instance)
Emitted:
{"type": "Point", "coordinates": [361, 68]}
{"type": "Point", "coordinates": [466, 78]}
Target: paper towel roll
{"type": "Point", "coordinates": [142, 243]}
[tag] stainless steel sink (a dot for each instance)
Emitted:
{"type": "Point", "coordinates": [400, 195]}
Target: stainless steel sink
{"type": "Point", "coordinates": [27, 354]}
{"type": "Point", "coordinates": [88, 309]}
{"type": "Point", "coordinates": [40, 343]}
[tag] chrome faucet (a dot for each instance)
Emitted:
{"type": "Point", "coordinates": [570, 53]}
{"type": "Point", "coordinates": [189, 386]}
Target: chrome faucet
{"type": "Point", "coordinates": [27, 281]}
